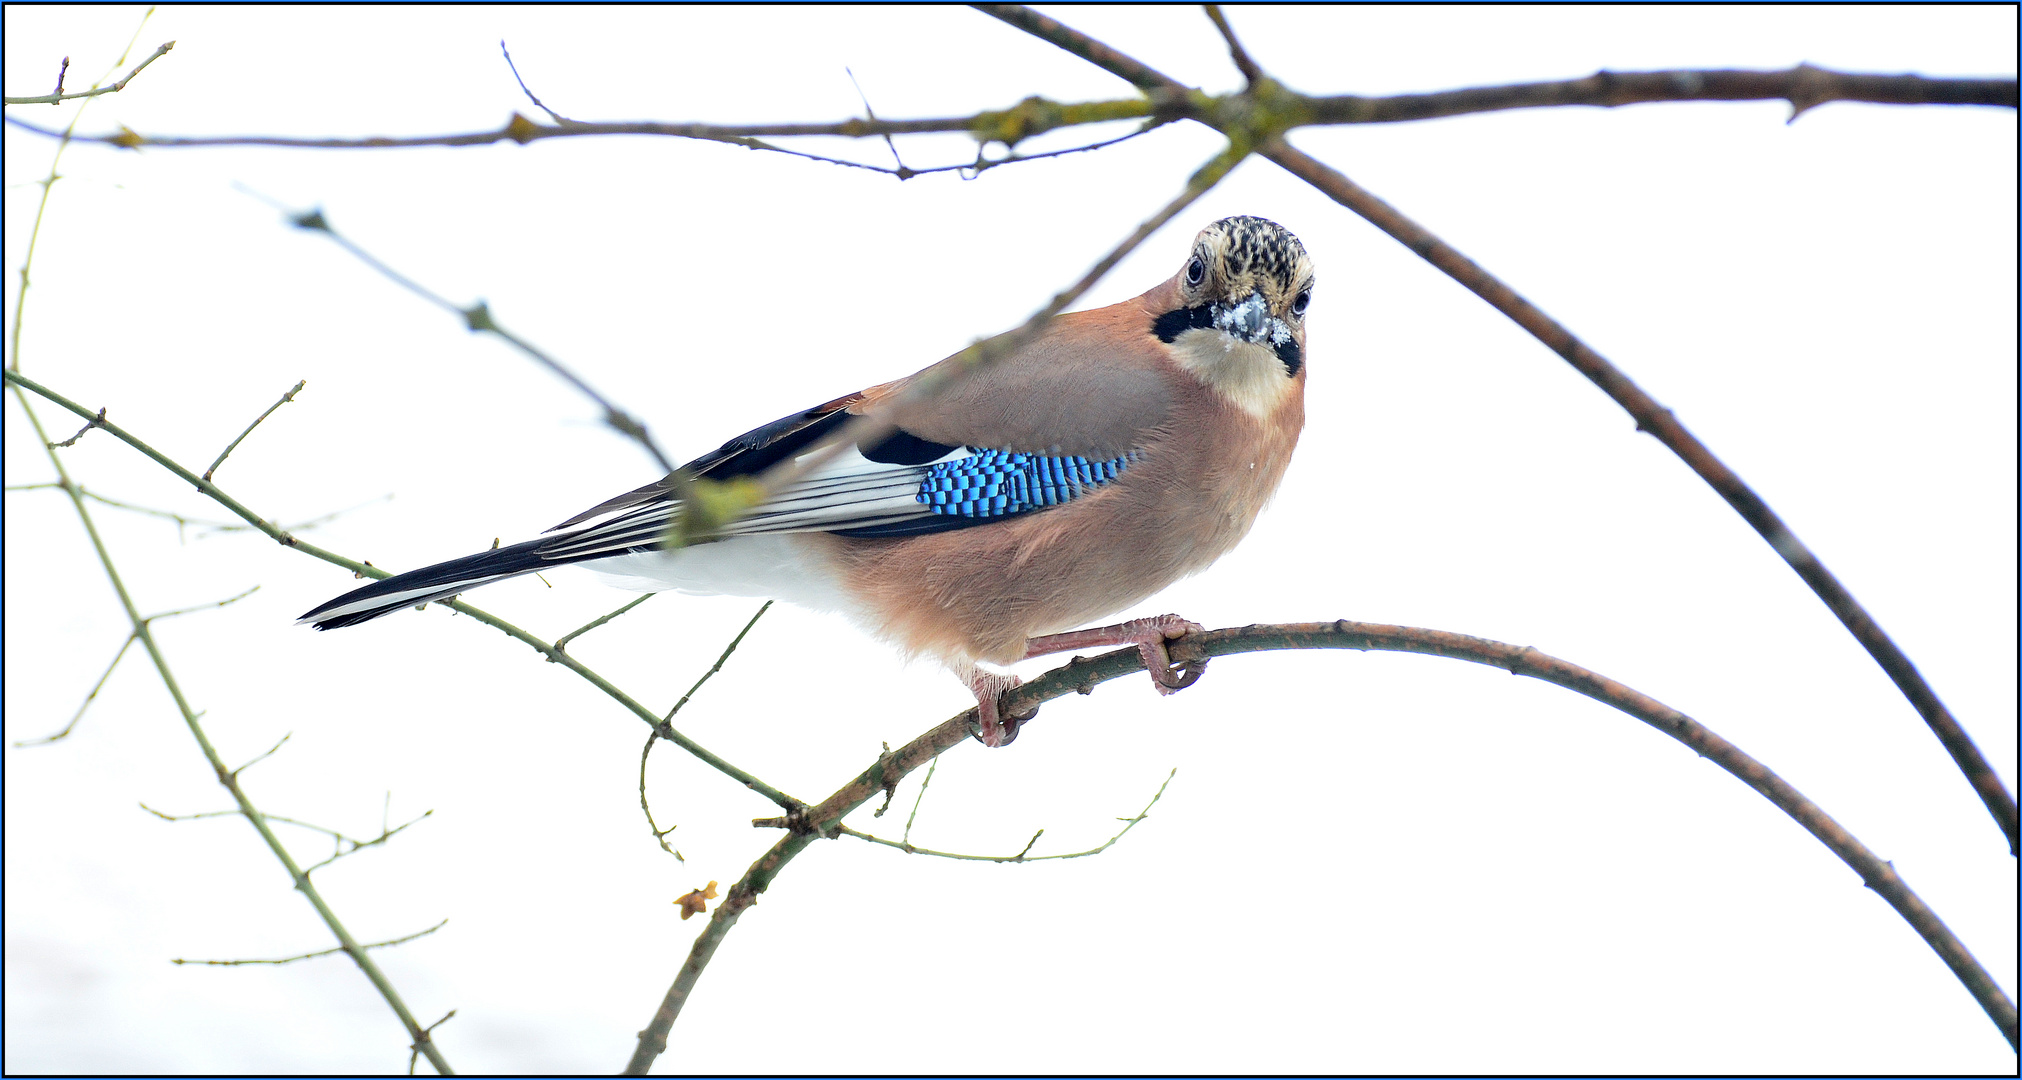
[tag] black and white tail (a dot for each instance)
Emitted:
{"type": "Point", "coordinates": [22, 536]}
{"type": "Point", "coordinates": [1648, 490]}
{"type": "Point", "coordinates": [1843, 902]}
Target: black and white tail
{"type": "Point", "coordinates": [430, 583]}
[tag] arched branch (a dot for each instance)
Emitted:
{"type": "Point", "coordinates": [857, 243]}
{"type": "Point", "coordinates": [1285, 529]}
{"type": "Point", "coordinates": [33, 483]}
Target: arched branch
{"type": "Point", "coordinates": [1082, 675]}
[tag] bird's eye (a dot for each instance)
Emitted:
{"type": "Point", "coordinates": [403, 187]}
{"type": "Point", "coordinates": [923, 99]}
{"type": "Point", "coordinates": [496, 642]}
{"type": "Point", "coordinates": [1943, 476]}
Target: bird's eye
{"type": "Point", "coordinates": [1196, 270]}
{"type": "Point", "coordinates": [1300, 301]}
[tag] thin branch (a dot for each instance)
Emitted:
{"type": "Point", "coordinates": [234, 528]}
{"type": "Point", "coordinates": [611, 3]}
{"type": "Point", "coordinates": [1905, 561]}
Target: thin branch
{"type": "Point", "coordinates": [1237, 55]}
{"type": "Point", "coordinates": [660, 834]}
{"type": "Point", "coordinates": [271, 751]}
{"type": "Point", "coordinates": [1650, 416]}
{"type": "Point", "coordinates": [1074, 41]}
{"type": "Point", "coordinates": [59, 95]}
{"type": "Point", "coordinates": [562, 643]}
{"type": "Point", "coordinates": [322, 952]}
{"type": "Point", "coordinates": [226, 602]}
{"type": "Point", "coordinates": [1023, 856]}
{"type": "Point", "coordinates": [418, 1048]}
{"type": "Point", "coordinates": [1033, 116]}
{"type": "Point", "coordinates": [538, 103]}
{"type": "Point", "coordinates": [88, 699]}
{"type": "Point", "coordinates": [907, 836]}
{"type": "Point", "coordinates": [646, 807]}
{"type": "Point", "coordinates": [143, 633]}
{"type": "Point", "coordinates": [361, 569]}
{"type": "Point", "coordinates": [301, 526]}
{"type": "Point", "coordinates": [901, 172]}
{"type": "Point", "coordinates": [93, 422]}
{"type": "Point", "coordinates": [718, 666]}
{"type": "Point", "coordinates": [478, 318]}
{"type": "Point", "coordinates": [184, 521]}
{"type": "Point", "coordinates": [285, 398]}
{"type": "Point", "coordinates": [181, 521]}
{"type": "Point", "coordinates": [344, 845]}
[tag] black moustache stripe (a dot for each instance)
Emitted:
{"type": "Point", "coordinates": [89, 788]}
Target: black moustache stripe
{"type": "Point", "coordinates": [1288, 354]}
{"type": "Point", "coordinates": [1174, 323]}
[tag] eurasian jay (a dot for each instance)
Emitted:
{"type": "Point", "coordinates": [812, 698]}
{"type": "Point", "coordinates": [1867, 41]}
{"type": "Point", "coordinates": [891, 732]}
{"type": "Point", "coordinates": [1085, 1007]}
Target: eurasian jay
{"type": "Point", "coordinates": [1122, 449]}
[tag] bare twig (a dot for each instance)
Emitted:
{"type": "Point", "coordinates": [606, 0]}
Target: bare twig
{"type": "Point", "coordinates": [419, 1047]}
{"type": "Point", "coordinates": [184, 521]}
{"type": "Point", "coordinates": [478, 318]}
{"type": "Point", "coordinates": [718, 665]}
{"type": "Point", "coordinates": [1023, 856]}
{"type": "Point", "coordinates": [271, 751]}
{"type": "Point", "coordinates": [906, 837]}
{"type": "Point", "coordinates": [116, 657]}
{"type": "Point", "coordinates": [1029, 118]}
{"type": "Point", "coordinates": [227, 452]}
{"type": "Point", "coordinates": [901, 172]}
{"type": "Point", "coordinates": [321, 952]}
{"type": "Point", "coordinates": [59, 95]}
{"type": "Point", "coordinates": [660, 834]}
{"type": "Point", "coordinates": [214, 604]}
{"type": "Point", "coordinates": [343, 845]}
{"type": "Point", "coordinates": [88, 699]}
{"type": "Point", "coordinates": [538, 103]}
{"type": "Point", "coordinates": [562, 643]}
{"type": "Point", "coordinates": [96, 421]}
{"type": "Point", "coordinates": [1650, 416]}
{"type": "Point", "coordinates": [1251, 72]}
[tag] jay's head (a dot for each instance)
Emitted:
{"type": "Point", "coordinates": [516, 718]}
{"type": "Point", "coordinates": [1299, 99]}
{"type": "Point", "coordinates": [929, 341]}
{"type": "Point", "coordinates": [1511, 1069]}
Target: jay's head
{"type": "Point", "coordinates": [1238, 321]}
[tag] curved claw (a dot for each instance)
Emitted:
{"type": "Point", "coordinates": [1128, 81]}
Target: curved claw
{"type": "Point", "coordinates": [1159, 662]}
{"type": "Point", "coordinates": [991, 728]}
{"type": "Point", "coordinates": [1190, 672]}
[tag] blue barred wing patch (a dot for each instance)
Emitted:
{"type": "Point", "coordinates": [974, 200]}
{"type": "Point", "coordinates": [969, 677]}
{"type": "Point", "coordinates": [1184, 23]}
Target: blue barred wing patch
{"type": "Point", "coordinates": [997, 483]}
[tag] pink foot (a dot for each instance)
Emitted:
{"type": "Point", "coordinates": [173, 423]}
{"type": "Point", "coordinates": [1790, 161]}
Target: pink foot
{"type": "Point", "coordinates": [1149, 635]}
{"type": "Point", "coordinates": [996, 730]}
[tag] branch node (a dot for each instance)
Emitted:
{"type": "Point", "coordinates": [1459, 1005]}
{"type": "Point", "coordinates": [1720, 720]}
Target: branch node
{"type": "Point", "coordinates": [520, 129]}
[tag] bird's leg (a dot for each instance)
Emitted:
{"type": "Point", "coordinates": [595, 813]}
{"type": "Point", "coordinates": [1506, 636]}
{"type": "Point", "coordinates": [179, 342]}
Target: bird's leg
{"type": "Point", "coordinates": [1149, 635]}
{"type": "Point", "coordinates": [987, 685]}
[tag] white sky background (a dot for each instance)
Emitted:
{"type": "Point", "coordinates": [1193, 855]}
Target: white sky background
{"type": "Point", "coordinates": [1366, 863]}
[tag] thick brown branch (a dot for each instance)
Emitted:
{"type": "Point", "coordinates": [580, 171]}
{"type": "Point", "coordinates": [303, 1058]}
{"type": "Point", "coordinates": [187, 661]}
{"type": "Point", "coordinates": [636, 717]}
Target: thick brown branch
{"type": "Point", "coordinates": [1081, 675]}
{"type": "Point", "coordinates": [1659, 422]}
{"type": "Point", "coordinates": [1804, 86]}
{"type": "Point", "coordinates": [1649, 415]}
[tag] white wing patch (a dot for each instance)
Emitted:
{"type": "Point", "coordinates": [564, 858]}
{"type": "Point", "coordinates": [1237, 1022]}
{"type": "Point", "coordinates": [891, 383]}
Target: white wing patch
{"type": "Point", "coordinates": [849, 491]}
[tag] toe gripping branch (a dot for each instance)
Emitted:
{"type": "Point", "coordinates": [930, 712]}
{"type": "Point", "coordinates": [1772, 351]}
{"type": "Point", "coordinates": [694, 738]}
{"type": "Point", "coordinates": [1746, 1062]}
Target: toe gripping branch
{"type": "Point", "coordinates": [1148, 635]}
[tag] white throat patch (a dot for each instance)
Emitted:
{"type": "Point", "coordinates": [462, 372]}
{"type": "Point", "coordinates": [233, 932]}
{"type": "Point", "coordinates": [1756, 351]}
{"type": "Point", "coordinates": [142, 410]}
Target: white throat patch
{"type": "Point", "coordinates": [1249, 375]}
